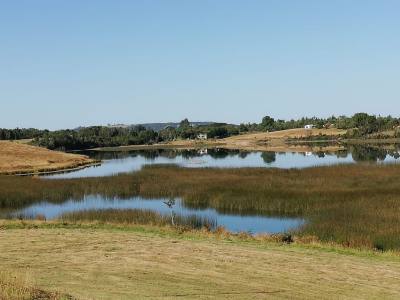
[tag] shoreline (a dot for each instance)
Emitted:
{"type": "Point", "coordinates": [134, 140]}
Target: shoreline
{"type": "Point", "coordinates": [268, 145]}
{"type": "Point", "coordinates": [201, 234]}
{"type": "Point", "coordinates": [45, 171]}
{"type": "Point", "coordinates": [273, 147]}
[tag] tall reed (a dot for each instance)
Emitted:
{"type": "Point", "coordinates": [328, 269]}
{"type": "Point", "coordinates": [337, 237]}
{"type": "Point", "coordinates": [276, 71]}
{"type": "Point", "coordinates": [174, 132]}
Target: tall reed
{"type": "Point", "coordinates": [356, 205]}
{"type": "Point", "coordinates": [138, 216]}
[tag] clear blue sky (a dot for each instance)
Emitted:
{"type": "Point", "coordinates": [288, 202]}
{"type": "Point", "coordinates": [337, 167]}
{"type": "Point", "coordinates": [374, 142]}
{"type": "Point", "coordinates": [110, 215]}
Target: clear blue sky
{"type": "Point", "coordinates": [70, 63]}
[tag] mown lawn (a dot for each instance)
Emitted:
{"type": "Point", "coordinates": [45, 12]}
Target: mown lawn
{"type": "Point", "coordinates": [151, 263]}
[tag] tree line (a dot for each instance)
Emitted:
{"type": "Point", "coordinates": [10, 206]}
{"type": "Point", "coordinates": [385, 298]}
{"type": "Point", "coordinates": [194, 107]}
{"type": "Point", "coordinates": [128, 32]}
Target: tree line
{"type": "Point", "coordinates": [20, 134]}
{"type": "Point", "coordinates": [96, 136]}
{"type": "Point", "coordinates": [358, 125]}
{"type": "Point", "coordinates": [361, 124]}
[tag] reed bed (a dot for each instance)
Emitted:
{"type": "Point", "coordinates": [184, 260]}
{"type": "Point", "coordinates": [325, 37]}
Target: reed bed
{"type": "Point", "coordinates": [354, 205]}
{"type": "Point", "coordinates": [138, 217]}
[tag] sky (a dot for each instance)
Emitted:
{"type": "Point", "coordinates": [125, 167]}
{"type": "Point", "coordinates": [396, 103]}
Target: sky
{"type": "Point", "coordinates": [74, 63]}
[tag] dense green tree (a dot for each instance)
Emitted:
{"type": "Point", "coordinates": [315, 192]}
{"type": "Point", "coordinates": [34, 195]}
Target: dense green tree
{"type": "Point", "coordinates": [184, 123]}
{"type": "Point", "coordinates": [268, 123]}
{"type": "Point", "coordinates": [218, 132]}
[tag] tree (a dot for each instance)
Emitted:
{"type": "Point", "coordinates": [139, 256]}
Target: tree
{"type": "Point", "coordinates": [218, 132]}
{"type": "Point", "coordinates": [268, 123]}
{"type": "Point", "coordinates": [365, 123]}
{"type": "Point", "coordinates": [184, 123]}
{"type": "Point", "coordinates": [171, 203]}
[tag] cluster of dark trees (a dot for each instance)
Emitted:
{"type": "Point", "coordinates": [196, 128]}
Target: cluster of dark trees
{"type": "Point", "coordinates": [187, 131]}
{"type": "Point", "coordinates": [360, 123]}
{"type": "Point", "coordinates": [20, 134]}
{"type": "Point", "coordinates": [100, 136]}
{"type": "Point", "coordinates": [96, 136]}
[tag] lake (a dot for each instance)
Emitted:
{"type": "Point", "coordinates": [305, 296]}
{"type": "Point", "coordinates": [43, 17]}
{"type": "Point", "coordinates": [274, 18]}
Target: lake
{"type": "Point", "coordinates": [122, 162]}
{"type": "Point", "coordinates": [235, 223]}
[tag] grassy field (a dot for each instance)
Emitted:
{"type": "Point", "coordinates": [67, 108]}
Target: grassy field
{"type": "Point", "coordinates": [149, 263]}
{"type": "Point", "coordinates": [352, 205]}
{"type": "Point", "coordinates": [19, 158]}
{"type": "Point", "coordinates": [289, 133]}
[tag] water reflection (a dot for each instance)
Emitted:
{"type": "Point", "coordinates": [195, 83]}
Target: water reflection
{"type": "Point", "coordinates": [232, 222]}
{"type": "Point", "coordinates": [118, 162]}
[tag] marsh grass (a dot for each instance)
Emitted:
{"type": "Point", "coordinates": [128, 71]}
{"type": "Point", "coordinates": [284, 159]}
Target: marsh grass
{"type": "Point", "coordinates": [353, 205]}
{"type": "Point", "coordinates": [138, 217]}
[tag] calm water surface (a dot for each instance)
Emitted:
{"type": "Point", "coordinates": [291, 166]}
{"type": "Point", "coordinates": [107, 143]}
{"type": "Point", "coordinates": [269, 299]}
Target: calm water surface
{"type": "Point", "coordinates": [122, 162]}
{"type": "Point", "coordinates": [232, 222]}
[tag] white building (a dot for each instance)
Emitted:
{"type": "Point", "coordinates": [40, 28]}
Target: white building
{"type": "Point", "coordinates": [202, 136]}
{"type": "Point", "coordinates": [309, 126]}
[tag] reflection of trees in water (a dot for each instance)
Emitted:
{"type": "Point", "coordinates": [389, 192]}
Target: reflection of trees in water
{"type": "Point", "coordinates": [268, 157]}
{"type": "Point", "coordinates": [359, 153]}
{"type": "Point", "coordinates": [110, 155]}
{"type": "Point", "coordinates": [218, 153]}
{"type": "Point", "coordinates": [243, 154]}
{"type": "Point", "coordinates": [394, 154]}
{"type": "Point", "coordinates": [191, 153]}
{"type": "Point", "coordinates": [342, 153]}
{"type": "Point", "coordinates": [369, 154]}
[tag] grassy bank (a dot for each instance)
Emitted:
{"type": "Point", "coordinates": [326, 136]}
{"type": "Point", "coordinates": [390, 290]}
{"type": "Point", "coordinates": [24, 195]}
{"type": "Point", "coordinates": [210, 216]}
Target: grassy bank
{"type": "Point", "coordinates": [353, 205]}
{"type": "Point", "coordinates": [147, 262]}
{"type": "Point", "coordinates": [19, 158]}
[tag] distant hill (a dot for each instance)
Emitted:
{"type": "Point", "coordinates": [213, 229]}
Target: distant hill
{"type": "Point", "coordinates": [160, 126]}
{"type": "Point", "coordinates": [157, 126]}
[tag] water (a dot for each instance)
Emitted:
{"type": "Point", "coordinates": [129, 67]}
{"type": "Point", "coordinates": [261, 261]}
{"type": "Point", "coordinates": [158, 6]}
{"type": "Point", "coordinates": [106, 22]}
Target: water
{"type": "Point", "coordinates": [121, 162]}
{"type": "Point", "coordinates": [232, 222]}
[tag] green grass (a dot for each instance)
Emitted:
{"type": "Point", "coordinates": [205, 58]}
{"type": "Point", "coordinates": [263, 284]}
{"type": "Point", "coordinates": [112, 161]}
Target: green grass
{"type": "Point", "coordinates": [356, 206]}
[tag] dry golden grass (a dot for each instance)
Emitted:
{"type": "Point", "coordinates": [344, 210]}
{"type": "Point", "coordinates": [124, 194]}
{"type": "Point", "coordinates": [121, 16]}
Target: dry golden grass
{"type": "Point", "coordinates": [277, 140]}
{"type": "Point", "coordinates": [115, 264]}
{"type": "Point", "coordinates": [21, 158]}
{"type": "Point", "coordinates": [20, 286]}
{"type": "Point", "coordinates": [14, 286]}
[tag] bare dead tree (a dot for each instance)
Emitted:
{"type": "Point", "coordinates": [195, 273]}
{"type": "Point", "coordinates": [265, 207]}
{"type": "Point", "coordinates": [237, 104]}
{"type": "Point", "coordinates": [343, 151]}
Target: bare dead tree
{"type": "Point", "coordinates": [171, 203]}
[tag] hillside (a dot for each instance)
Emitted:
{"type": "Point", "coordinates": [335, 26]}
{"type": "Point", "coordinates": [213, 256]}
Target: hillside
{"type": "Point", "coordinates": [16, 158]}
{"type": "Point", "coordinates": [160, 126]}
{"type": "Point", "coordinates": [277, 140]}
